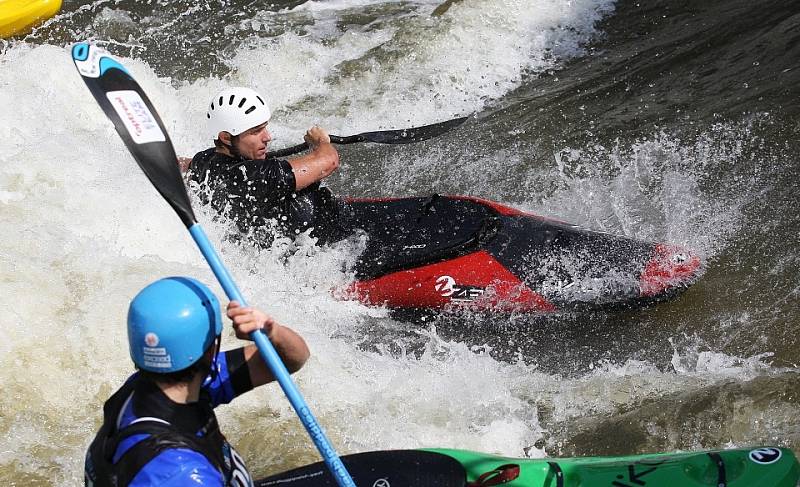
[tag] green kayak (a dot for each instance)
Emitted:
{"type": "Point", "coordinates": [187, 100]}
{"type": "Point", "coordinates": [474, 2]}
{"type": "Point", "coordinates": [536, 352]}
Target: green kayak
{"type": "Point", "coordinates": [740, 467]}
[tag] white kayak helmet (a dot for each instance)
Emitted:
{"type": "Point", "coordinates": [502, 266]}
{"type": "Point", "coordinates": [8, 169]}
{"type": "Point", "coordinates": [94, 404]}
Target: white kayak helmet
{"type": "Point", "coordinates": [235, 110]}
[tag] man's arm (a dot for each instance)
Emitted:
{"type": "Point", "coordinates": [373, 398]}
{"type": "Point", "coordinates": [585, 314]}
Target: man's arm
{"type": "Point", "coordinates": [290, 346]}
{"type": "Point", "coordinates": [317, 164]}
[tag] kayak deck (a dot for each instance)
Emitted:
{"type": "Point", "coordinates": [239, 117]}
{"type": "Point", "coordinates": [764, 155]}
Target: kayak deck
{"type": "Point", "coordinates": [456, 252]}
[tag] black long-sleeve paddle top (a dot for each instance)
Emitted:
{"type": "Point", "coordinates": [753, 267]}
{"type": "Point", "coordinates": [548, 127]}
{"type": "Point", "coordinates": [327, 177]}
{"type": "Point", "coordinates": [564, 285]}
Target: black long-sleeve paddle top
{"type": "Point", "coordinates": [260, 196]}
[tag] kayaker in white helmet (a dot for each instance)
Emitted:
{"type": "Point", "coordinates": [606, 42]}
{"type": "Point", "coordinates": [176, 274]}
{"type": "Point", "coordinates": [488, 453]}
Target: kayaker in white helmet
{"type": "Point", "coordinates": [237, 175]}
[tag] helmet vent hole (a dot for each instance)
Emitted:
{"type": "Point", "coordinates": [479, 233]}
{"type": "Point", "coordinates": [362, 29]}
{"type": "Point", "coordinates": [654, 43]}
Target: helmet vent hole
{"type": "Point", "coordinates": [208, 115]}
{"type": "Point", "coordinates": [259, 99]}
{"type": "Point", "coordinates": [241, 103]}
{"type": "Point", "coordinates": [212, 105]}
{"type": "Point", "coordinates": [247, 112]}
{"type": "Point", "coordinates": [220, 101]}
{"type": "Point", "coordinates": [230, 101]}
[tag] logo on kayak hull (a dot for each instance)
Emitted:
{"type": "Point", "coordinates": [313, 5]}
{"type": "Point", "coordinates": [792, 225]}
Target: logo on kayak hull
{"type": "Point", "coordinates": [447, 287]}
{"type": "Point", "coordinates": [765, 456]}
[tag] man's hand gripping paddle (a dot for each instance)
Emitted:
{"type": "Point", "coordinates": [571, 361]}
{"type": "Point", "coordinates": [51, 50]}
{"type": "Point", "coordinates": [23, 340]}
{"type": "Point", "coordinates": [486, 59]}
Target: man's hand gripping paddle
{"type": "Point", "coordinates": [140, 127]}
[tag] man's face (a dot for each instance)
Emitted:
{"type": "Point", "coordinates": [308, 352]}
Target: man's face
{"type": "Point", "coordinates": [252, 143]}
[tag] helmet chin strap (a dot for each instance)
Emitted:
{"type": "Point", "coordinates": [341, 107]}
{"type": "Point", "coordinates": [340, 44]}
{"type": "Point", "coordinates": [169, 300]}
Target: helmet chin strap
{"type": "Point", "coordinates": [214, 372]}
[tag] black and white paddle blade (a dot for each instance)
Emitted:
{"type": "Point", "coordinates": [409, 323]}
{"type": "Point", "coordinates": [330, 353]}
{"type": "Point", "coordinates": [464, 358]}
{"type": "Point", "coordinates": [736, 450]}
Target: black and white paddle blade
{"type": "Point", "coordinates": [136, 121]}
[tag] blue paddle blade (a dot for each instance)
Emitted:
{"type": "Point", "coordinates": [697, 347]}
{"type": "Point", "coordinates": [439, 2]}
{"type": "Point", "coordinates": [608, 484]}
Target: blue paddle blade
{"type": "Point", "coordinates": [136, 121]}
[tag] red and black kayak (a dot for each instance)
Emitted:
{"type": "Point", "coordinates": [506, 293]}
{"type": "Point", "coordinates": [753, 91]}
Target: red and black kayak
{"type": "Point", "coordinates": [455, 252]}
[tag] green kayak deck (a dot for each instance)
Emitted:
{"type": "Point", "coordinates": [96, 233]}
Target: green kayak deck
{"type": "Point", "coordinates": [767, 466]}
{"type": "Point", "coordinates": [739, 467]}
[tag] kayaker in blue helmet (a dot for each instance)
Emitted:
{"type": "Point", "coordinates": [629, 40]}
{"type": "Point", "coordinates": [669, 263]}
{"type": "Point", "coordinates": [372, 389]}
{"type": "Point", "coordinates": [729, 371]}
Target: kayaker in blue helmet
{"type": "Point", "coordinates": [159, 428]}
{"type": "Point", "coordinates": [238, 177]}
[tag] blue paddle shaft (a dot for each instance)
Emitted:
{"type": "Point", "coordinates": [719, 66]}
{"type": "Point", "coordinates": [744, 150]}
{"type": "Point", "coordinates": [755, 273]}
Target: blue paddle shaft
{"type": "Point", "coordinates": [274, 362]}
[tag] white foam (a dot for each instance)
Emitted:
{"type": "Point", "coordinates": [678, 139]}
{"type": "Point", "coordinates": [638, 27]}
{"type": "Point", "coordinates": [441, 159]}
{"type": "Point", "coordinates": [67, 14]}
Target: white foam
{"type": "Point", "coordinates": [651, 190]}
{"type": "Point", "coordinates": [415, 71]}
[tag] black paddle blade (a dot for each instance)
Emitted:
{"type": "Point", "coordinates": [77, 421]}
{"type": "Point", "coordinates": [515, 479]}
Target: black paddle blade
{"type": "Point", "coordinates": [136, 121]}
{"type": "Point", "coordinates": [399, 136]}
{"type": "Point", "coordinates": [407, 136]}
{"type": "Point", "coordinates": [395, 468]}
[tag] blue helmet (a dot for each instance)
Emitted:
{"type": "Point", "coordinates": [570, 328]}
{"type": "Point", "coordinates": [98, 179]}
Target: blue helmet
{"type": "Point", "coordinates": [171, 323]}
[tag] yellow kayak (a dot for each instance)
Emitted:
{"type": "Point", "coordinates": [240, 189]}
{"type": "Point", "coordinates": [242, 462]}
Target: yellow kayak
{"type": "Point", "coordinates": [19, 16]}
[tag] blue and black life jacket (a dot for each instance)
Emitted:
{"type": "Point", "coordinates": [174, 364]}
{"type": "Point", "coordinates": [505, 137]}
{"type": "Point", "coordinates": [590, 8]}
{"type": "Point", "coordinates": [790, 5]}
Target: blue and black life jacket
{"type": "Point", "coordinates": [158, 434]}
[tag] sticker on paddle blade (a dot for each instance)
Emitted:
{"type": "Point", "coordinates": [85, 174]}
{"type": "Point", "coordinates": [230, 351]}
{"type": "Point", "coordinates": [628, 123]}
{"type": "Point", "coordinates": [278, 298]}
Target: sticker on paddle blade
{"type": "Point", "coordinates": [133, 112]}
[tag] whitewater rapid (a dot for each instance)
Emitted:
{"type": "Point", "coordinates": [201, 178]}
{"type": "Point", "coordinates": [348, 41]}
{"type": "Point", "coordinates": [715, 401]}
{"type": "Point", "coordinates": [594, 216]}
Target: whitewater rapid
{"type": "Point", "coordinates": [83, 230]}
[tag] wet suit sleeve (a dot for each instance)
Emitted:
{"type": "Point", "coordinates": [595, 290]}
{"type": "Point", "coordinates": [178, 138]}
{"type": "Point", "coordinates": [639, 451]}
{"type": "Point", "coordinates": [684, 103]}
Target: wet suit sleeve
{"type": "Point", "coordinates": [232, 378]}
